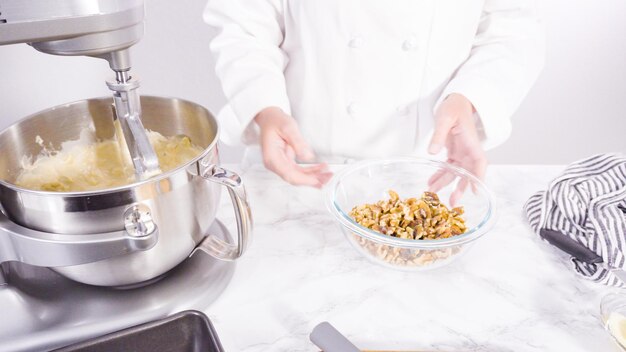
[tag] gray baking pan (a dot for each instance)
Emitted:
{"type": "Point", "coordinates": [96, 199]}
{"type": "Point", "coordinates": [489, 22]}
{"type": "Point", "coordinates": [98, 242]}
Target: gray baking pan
{"type": "Point", "coordinates": [188, 331]}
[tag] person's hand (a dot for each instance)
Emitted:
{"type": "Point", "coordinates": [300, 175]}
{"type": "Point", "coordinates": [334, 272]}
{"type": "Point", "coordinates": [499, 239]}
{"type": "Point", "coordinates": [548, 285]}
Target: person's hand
{"type": "Point", "coordinates": [456, 130]}
{"type": "Point", "coordinates": [282, 143]}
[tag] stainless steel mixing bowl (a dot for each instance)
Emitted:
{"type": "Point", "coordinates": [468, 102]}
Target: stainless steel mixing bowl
{"type": "Point", "coordinates": [174, 209]}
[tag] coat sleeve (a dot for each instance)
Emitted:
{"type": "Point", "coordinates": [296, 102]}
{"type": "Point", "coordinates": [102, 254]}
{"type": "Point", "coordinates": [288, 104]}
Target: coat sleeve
{"type": "Point", "coordinates": [505, 60]}
{"type": "Point", "coordinates": [249, 60]}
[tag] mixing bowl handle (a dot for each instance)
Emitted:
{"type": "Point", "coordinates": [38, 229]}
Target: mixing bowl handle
{"type": "Point", "coordinates": [18, 243]}
{"type": "Point", "coordinates": [213, 245]}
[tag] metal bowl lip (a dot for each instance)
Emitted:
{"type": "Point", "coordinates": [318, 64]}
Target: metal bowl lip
{"type": "Point", "coordinates": [123, 188]}
{"type": "Point", "coordinates": [346, 221]}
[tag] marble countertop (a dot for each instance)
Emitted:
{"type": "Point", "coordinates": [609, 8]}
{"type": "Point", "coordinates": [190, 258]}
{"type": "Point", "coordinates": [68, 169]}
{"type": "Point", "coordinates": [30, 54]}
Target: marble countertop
{"type": "Point", "coordinates": [510, 292]}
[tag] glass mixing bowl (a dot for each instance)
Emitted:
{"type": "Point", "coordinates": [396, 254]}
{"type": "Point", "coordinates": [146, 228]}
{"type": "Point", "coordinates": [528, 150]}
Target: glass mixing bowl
{"type": "Point", "coordinates": [613, 315]}
{"type": "Point", "coordinates": [369, 181]}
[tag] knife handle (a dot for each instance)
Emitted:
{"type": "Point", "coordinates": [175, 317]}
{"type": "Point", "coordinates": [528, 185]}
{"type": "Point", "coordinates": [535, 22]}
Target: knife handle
{"type": "Point", "coordinates": [570, 246]}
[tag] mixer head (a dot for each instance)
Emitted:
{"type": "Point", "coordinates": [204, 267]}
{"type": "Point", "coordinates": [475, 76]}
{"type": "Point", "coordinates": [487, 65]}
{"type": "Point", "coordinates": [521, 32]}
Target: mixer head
{"type": "Point", "coordinates": [72, 27]}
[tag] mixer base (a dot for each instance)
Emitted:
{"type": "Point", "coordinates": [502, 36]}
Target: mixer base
{"type": "Point", "coordinates": [42, 310]}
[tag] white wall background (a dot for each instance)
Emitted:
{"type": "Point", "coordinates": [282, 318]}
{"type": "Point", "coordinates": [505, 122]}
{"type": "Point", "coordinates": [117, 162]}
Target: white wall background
{"type": "Point", "coordinates": [578, 106]}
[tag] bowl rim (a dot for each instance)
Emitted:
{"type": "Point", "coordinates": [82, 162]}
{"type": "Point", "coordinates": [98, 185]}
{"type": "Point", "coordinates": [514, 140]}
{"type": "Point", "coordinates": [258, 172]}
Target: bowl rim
{"type": "Point", "coordinates": [344, 219]}
{"type": "Point", "coordinates": [123, 188]}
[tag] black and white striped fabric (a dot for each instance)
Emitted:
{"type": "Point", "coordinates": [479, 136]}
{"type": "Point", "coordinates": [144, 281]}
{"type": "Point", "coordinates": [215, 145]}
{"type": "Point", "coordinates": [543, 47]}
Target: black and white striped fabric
{"type": "Point", "coordinates": [588, 203]}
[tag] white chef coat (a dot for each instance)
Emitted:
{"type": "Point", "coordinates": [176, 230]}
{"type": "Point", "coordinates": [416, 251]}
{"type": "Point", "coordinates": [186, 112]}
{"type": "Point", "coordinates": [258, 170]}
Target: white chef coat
{"type": "Point", "coordinates": [364, 77]}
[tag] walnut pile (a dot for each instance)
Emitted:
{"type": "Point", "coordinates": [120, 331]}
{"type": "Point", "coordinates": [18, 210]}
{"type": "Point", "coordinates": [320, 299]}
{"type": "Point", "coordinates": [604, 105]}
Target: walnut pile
{"type": "Point", "coordinates": [412, 218]}
{"type": "Point", "coordinates": [405, 257]}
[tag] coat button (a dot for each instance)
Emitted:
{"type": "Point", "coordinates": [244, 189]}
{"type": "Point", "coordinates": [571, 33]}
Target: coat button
{"type": "Point", "coordinates": [403, 110]}
{"type": "Point", "coordinates": [355, 42]}
{"type": "Point", "coordinates": [409, 44]}
{"type": "Point", "coordinates": [352, 109]}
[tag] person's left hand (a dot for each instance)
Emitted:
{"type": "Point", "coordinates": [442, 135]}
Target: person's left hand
{"type": "Point", "coordinates": [456, 130]}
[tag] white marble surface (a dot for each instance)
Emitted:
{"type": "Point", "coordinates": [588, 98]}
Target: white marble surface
{"type": "Point", "coordinates": [510, 292]}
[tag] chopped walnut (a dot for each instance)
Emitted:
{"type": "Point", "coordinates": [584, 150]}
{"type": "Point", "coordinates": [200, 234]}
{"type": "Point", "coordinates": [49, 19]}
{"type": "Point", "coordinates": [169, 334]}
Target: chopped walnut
{"type": "Point", "coordinates": [407, 257]}
{"type": "Point", "coordinates": [417, 219]}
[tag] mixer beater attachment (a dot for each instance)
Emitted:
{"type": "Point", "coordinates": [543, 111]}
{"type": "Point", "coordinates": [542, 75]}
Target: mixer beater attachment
{"type": "Point", "coordinates": [129, 130]}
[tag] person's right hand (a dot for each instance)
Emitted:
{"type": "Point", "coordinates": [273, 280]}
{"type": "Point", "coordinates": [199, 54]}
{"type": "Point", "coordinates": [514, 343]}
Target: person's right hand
{"type": "Point", "coordinates": [282, 143]}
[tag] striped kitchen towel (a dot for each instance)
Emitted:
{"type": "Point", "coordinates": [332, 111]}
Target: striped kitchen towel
{"type": "Point", "coordinates": [588, 204]}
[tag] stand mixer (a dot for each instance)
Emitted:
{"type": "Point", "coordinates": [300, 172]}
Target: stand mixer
{"type": "Point", "coordinates": [99, 28]}
{"type": "Point", "coordinates": [134, 246]}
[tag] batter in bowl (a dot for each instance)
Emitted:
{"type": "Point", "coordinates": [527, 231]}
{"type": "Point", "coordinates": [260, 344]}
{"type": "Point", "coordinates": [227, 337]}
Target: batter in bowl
{"type": "Point", "coordinates": [88, 166]}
